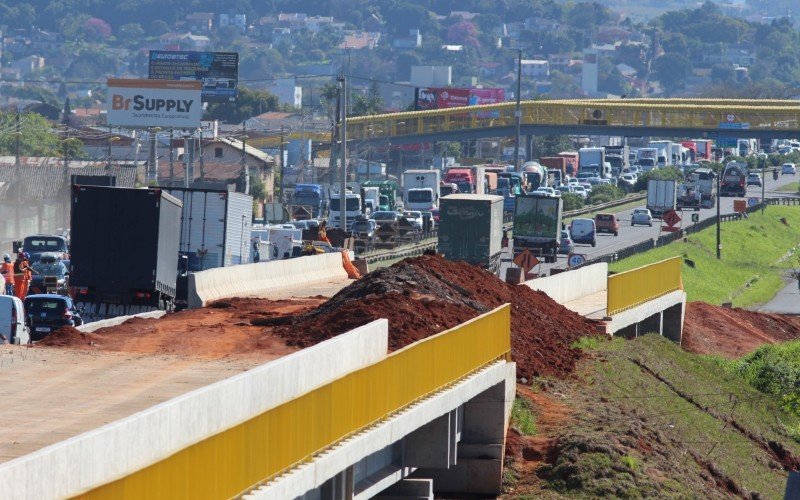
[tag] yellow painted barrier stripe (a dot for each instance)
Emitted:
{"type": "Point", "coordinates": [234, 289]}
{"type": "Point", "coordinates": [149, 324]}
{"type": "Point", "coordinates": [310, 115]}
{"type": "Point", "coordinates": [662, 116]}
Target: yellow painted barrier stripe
{"type": "Point", "coordinates": [637, 286]}
{"type": "Point", "coordinates": [236, 460]}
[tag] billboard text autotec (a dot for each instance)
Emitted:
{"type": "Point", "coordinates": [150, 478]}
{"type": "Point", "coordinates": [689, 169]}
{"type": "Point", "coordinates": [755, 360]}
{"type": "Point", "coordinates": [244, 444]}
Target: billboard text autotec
{"type": "Point", "coordinates": [217, 71]}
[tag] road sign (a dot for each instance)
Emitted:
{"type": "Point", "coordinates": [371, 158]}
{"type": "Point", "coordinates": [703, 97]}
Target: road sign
{"type": "Point", "coordinates": [526, 260]}
{"type": "Point", "coordinates": [695, 217]}
{"type": "Point", "coordinates": [751, 202]}
{"type": "Point", "coordinates": [671, 218]}
{"type": "Point", "coordinates": [739, 205]}
{"type": "Point", "coordinates": [576, 259]}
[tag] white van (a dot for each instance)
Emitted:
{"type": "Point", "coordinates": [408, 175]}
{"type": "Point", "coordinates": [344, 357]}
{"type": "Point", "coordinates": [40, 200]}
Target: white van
{"type": "Point", "coordinates": [583, 231]}
{"type": "Point", "coordinates": [12, 321]}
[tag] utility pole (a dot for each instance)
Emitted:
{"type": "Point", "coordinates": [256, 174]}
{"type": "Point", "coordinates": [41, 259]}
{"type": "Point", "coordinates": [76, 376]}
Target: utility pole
{"type": "Point", "coordinates": [719, 243]}
{"type": "Point", "coordinates": [763, 183]}
{"type": "Point", "coordinates": [186, 161]}
{"type": "Point", "coordinates": [202, 161]}
{"type": "Point", "coordinates": [245, 168]}
{"type": "Point", "coordinates": [17, 140]}
{"type": "Point", "coordinates": [152, 174]}
{"type": "Point", "coordinates": [518, 112]}
{"type": "Point", "coordinates": [108, 162]}
{"type": "Point", "coordinates": [171, 159]}
{"type": "Point", "coordinates": [343, 138]}
{"type": "Point", "coordinates": [18, 176]}
{"type": "Point", "coordinates": [281, 163]}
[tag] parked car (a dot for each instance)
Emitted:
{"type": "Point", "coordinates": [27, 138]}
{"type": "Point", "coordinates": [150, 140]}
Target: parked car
{"type": "Point", "coordinates": [583, 231]}
{"type": "Point", "coordinates": [12, 321]}
{"type": "Point", "coordinates": [641, 216]}
{"type": "Point", "coordinates": [607, 223]}
{"type": "Point", "coordinates": [567, 245]}
{"type": "Point", "coordinates": [364, 229]}
{"type": "Point", "coordinates": [788, 168]}
{"type": "Point", "coordinates": [754, 179]}
{"type": "Point", "coordinates": [46, 313]}
{"type": "Point", "coordinates": [49, 267]}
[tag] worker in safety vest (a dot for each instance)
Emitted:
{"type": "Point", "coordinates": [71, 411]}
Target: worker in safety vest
{"type": "Point", "coordinates": [7, 270]}
{"type": "Point", "coordinates": [22, 275]}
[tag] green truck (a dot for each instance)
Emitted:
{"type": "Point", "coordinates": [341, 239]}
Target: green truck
{"type": "Point", "coordinates": [471, 229]}
{"type": "Point", "coordinates": [388, 193]}
{"type": "Point", "coordinates": [537, 225]}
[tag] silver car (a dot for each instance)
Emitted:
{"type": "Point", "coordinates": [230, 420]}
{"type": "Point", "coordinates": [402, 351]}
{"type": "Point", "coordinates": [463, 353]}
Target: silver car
{"type": "Point", "coordinates": [641, 216]}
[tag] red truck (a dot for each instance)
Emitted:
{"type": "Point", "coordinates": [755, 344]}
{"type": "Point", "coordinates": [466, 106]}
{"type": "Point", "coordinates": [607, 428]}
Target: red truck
{"type": "Point", "coordinates": [572, 162]}
{"type": "Point", "coordinates": [464, 178]}
{"type": "Point", "coordinates": [692, 147]}
{"type": "Point", "coordinates": [555, 163]}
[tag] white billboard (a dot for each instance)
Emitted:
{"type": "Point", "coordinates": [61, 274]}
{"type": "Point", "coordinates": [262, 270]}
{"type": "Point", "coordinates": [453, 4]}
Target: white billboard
{"type": "Point", "coordinates": [154, 103]}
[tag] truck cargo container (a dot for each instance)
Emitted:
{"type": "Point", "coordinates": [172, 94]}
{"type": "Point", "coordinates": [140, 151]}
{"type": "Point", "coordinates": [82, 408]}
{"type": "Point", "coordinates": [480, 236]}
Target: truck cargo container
{"type": "Point", "coordinates": [647, 158]}
{"type": "Point", "coordinates": [471, 229]}
{"type": "Point", "coordinates": [661, 196]}
{"type": "Point", "coordinates": [572, 162]}
{"type": "Point", "coordinates": [311, 195]}
{"type": "Point", "coordinates": [215, 227]}
{"type": "Point", "coordinates": [537, 225]}
{"type": "Point", "coordinates": [704, 148]}
{"type": "Point", "coordinates": [555, 163]}
{"type": "Point", "coordinates": [124, 250]}
{"type": "Point", "coordinates": [592, 163]}
{"type": "Point", "coordinates": [387, 193]}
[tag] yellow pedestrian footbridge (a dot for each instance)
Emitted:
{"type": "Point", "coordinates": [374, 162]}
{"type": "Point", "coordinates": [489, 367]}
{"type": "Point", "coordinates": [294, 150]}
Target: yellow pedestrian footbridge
{"type": "Point", "coordinates": [709, 118]}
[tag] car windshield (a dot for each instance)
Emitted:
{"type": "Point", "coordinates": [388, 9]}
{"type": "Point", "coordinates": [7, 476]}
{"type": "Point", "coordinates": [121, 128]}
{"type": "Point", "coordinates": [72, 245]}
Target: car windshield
{"type": "Point", "coordinates": [51, 269]}
{"type": "Point", "coordinates": [39, 244]}
{"type": "Point", "coordinates": [352, 204]}
{"type": "Point", "coordinates": [44, 305]}
{"type": "Point", "coordinates": [419, 196]}
{"type": "Point", "coordinates": [362, 226]}
{"type": "Point", "coordinates": [640, 211]}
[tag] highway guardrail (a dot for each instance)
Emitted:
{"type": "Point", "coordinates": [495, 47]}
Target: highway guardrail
{"type": "Point", "coordinates": [600, 206]}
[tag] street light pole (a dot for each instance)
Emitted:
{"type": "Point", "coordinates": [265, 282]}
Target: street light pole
{"type": "Point", "coordinates": [719, 243]}
{"type": "Point", "coordinates": [763, 183]}
{"type": "Point", "coordinates": [518, 112]}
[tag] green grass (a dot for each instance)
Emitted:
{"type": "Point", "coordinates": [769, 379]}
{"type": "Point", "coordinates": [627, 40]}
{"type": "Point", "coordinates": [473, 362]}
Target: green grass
{"type": "Point", "coordinates": [752, 266]}
{"type": "Point", "coordinates": [792, 187]}
{"type": "Point", "coordinates": [651, 420]}
{"type": "Point", "coordinates": [522, 417]}
{"type": "Point", "coordinates": [588, 343]}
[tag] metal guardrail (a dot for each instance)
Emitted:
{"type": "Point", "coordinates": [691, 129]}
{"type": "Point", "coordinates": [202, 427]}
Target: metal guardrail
{"type": "Point", "coordinates": [637, 286]}
{"type": "Point", "coordinates": [234, 461]}
{"type": "Point", "coordinates": [399, 252]}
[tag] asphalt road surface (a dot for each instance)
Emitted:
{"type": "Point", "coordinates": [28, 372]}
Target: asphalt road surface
{"type": "Point", "coordinates": [628, 235]}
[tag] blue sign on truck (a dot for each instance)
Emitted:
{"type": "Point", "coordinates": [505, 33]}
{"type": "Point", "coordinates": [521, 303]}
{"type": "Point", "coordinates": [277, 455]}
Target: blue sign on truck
{"type": "Point", "coordinates": [217, 71]}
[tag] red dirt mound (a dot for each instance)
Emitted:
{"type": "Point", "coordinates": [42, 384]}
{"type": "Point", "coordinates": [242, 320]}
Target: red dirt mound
{"type": "Point", "coordinates": [426, 295]}
{"type": "Point", "coordinates": [70, 337]}
{"type": "Point", "coordinates": [733, 332]}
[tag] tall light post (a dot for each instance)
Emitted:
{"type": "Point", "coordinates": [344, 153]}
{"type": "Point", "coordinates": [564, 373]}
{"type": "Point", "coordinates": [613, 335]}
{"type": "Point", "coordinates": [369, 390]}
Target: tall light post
{"type": "Point", "coordinates": [518, 111]}
{"type": "Point", "coordinates": [110, 141]}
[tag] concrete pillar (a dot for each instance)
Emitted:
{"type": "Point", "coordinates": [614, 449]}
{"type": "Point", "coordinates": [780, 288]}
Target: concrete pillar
{"type": "Point", "coordinates": [433, 445]}
{"type": "Point", "coordinates": [479, 466]}
{"type": "Point", "coordinates": [417, 489]}
{"type": "Point", "coordinates": [339, 487]}
{"type": "Point", "coordinates": [629, 332]}
{"type": "Point", "coordinates": [672, 323]}
{"type": "Point", "coordinates": [651, 325]}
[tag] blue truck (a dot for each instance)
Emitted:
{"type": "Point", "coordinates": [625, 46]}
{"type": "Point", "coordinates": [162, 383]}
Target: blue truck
{"type": "Point", "coordinates": [311, 195]}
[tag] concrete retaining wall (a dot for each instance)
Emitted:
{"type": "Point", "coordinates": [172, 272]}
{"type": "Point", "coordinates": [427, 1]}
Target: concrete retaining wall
{"type": "Point", "coordinates": [107, 453]}
{"type": "Point", "coordinates": [249, 279]}
{"type": "Point", "coordinates": [572, 285]}
{"type": "Point", "coordinates": [96, 325]}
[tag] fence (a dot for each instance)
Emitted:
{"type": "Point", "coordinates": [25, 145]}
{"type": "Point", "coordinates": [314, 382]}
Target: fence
{"type": "Point", "coordinates": [234, 461]}
{"type": "Point", "coordinates": [634, 287]}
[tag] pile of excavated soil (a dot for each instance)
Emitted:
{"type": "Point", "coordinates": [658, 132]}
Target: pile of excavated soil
{"type": "Point", "coordinates": [425, 295]}
{"type": "Point", "coordinates": [223, 330]}
{"type": "Point", "coordinates": [733, 332]}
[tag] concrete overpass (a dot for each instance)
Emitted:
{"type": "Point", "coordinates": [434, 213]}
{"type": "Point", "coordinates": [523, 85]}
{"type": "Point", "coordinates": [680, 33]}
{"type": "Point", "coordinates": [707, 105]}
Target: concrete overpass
{"type": "Point", "coordinates": [706, 118]}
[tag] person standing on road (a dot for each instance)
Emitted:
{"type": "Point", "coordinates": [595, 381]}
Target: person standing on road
{"type": "Point", "coordinates": [322, 232]}
{"type": "Point", "coordinates": [7, 270]}
{"type": "Point", "coordinates": [29, 272]}
{"type": "Point", "coordinates": [22, 272]}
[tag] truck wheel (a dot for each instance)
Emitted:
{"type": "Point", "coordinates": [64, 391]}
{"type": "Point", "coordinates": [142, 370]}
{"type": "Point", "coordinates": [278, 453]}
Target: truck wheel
{"type": "Point", "coordinates": [594, 243]}
{"type": "Point", "coordinates": [651, 224]}
{"type": "Point", "coordinates": [616, 233]}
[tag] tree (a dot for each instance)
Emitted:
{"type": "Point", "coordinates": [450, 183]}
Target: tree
{"type": "Point", "coordinates": [37, 138]}
{"type": "Point", "coordinates": [551, 145]}
{"type": "Point", "coordinates": [463, 33]}
{"type": "Point", "coordinates": [131, 31]}
{"type": "Point", "coordinates": [671, 70]}
{"type": "Point", "coordinates": [248, 104]}
{"type": "Point", "coordinates": [572, 201]}
{"type": "Point", "coordinates": [369, 104]}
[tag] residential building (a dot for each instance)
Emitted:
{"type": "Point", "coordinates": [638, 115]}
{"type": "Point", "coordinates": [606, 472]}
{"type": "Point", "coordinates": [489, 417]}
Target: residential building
{"type": "Point", "coordinates": [316, 23]}
{"type": "Point", "coordinates": [200, 22]}
{"type": "Point", "coordinates": [431, 76]}
{"type": "Point", "coordinates": [28, 64]}
{"type": "Point", "coordinates": [360, 40]}
{"type": "Point", "coordinates": [292, 20]}
{"type": "Point", "coordinates": [561, 62]}
{"type": "Point", "coordinates": [184, 41]}
{"type": "Point", "coordinates": [410, 42]}
{"type": "Point", "coordinates": [535, 68]}
{"type": "Point", "coordinates": [238, 21]}
{"type": "Point", "coordinates": [589, 71]}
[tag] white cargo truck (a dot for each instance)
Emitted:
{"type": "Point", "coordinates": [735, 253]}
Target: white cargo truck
{"type": "Point", "coordinates": [661, 196]}
{"type": "Point", "coordinates": [421, 189]}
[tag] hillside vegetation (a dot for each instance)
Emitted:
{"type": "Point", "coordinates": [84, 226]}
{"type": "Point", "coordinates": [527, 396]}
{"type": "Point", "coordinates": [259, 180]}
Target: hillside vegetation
{"type": "Point", "coordinates": [754, 258]}
{"type": "Point", "coordinates": [647, 419]}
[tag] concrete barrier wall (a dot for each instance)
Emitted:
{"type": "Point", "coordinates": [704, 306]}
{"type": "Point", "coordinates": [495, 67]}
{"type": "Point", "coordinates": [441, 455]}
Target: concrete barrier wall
{"type": "Point", "coordinates": [96, 325]}
{"type": "Point", "coordinates": [107, 453]}
{"type": "Point", "coordinates": [572, 285]}
{"type": "Point", "coordinates": [249, 279]}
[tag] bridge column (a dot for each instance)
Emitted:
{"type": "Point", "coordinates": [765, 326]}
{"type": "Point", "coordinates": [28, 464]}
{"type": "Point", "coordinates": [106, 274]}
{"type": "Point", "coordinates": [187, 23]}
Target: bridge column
{"type": "Point", "coordinates": [672, 323]}
{"type": "Point", "coordinates": [339, 487]}
{"type": "Point", "coordinates": [434, 444]}
{"type": "Point", "coordinates": [478, 467]}
{"type": "Point", "coordinates": [529, 147]}
{"type": "Point", "coordinates": [650, 325]}
{"type": "Point", "coordinates": [408, 489]}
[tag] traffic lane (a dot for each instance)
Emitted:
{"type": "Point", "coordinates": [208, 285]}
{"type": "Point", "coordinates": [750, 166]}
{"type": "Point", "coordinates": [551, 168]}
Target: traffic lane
{"type": "Point", "coordinates": [630, 235]}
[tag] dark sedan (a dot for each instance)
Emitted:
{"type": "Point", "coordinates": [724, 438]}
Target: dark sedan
{"type": "Point", "coordinates": [47, 313]}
